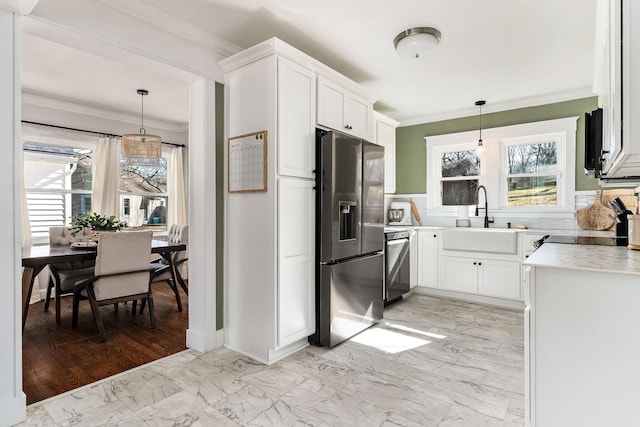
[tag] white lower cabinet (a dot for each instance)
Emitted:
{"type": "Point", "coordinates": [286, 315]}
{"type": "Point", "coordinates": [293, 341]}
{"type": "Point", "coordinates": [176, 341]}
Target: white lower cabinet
{"type": "Point", "coordinates": [488, 277]}
{"type": "Point", "coordinates": [296, 260]}
{"type": "Point", "coordinates": [428, 243]}
{"type": "Point", "coordinates": [499, 278]}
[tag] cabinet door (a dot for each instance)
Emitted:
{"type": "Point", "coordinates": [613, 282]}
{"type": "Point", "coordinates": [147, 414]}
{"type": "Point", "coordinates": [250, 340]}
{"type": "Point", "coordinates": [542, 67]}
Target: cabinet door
{"type": "Point", "coordinates": [296, 119]}
{"type": "Point", "coordinates": [357, 116]}
{"type": "Point", "coordinates": [428, 258]}
{"type": "Point", "coordinates": [386, 136]}
{"type": "Point", "coordinates": [296, 260]}
{"type": "Point", "coordinates": [499, 278]}
{"type": "Point", "coordinates": [458, 274]}
{"type": "Point", "coordinates": [331, 105]}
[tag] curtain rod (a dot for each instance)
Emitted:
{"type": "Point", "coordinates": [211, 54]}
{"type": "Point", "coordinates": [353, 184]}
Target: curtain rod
{"type": "Point", "coordinates": [90, 131]}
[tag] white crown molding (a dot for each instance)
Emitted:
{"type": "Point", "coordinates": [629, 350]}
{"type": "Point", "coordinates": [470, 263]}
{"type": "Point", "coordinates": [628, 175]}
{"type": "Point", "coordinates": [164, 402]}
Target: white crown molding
{"type": "Point", "coordinates": [146, 11]}
{"type": "Point", "coordinates": [23, 7]}
{"type": "Point", "coordinates": [515, 104]}
{"type": "Point", "coordinates": [57, 104]}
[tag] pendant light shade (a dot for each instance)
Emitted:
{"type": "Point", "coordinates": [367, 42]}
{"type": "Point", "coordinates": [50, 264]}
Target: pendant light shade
{"type": "Point", "coordinates": [480, 104]}
{"type": "Point", "coordinates": [139, 148]}
{"type": "Point", "coordinates": [416, 42]}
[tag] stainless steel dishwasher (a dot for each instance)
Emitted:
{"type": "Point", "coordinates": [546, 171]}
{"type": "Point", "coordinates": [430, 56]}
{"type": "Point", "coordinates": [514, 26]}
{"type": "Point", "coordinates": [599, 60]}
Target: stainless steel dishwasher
{"type": "Point", "coordinates": [397, 268]}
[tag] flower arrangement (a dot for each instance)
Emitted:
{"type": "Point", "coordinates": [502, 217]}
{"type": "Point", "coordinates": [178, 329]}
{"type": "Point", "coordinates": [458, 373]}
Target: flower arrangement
{"type": "Point", "coordinates": [96, 222]}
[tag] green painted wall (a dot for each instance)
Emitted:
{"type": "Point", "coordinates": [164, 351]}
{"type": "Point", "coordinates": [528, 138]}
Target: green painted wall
{"type": "Point", "coordinates": [219, 205]}
{"type": "Point", "coordinates": [411, 150]}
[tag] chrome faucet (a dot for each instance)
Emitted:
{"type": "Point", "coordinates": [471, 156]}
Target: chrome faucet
{"type": "Point", "coordinates": [486, 210]}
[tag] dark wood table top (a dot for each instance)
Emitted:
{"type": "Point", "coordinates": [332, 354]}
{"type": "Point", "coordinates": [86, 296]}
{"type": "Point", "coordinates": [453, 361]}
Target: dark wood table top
{"type": "Point", "coordinates": [39, 255]}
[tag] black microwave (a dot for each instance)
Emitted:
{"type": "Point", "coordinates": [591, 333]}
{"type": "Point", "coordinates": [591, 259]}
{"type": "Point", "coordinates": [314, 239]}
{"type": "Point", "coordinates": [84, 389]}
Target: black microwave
{"type": "Point", "coordinates": [593, 143]}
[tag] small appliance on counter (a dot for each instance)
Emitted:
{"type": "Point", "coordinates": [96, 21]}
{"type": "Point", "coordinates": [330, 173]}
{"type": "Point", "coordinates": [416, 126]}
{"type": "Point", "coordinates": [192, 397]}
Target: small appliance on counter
{"type": "Point", "coordinates": [399, 213]}
{"type": "Point", "coordinates": [621, 218]}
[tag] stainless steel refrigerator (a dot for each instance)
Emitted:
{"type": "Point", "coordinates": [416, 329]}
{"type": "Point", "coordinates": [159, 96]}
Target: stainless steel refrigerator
{"type": "Point", "coordinates": [349, 236]}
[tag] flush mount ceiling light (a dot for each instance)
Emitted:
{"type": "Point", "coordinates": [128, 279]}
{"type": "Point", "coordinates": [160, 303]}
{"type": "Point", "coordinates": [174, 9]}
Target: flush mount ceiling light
{"type": "Point", "coordinates": [416, 42]}
{"type": "Point", "coordinates": [480, 104]}
{"type": "Point", "coordinates": [139, 148]}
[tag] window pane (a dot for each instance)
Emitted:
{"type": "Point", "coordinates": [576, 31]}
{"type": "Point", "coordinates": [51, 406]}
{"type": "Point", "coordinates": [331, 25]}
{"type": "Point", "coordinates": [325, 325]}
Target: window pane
{"type": "Point", "coordinates": [53, 166]}
{"type": "Point", "coordinates": [460, 163]}
{"type": "Point", "coordinates": [532, 158]}
{"type": "Point", "coordinates": [139, 210]}
{"type": "Point", "coordinates": [458, 193]}
{"type": "Point", "coordinates": [80, 203]}
{"type": "Point", "coordinates": [143, 179]}
{"type": "Point", "coordinates": [533, 191]}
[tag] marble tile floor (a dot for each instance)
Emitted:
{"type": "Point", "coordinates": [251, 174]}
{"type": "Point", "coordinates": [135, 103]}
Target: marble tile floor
{"type": "Point", "coordinates": [431, 362]}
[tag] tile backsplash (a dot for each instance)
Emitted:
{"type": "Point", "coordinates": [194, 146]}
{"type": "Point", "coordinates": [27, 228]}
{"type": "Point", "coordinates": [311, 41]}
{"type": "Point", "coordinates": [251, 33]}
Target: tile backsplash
{"type": "Point", "coordinates": [583, 199]}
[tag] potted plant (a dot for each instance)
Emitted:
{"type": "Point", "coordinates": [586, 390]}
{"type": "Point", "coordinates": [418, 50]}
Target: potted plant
{"type": "Point", "coordinates": [96, 223]}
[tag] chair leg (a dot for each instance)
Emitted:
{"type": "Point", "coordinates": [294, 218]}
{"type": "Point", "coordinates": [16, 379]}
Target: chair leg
{"type": "Point", "coordinates": [47, 300]}
{"type": "Point", "coordinates": [96, 313]}
{"type": "Point", "coordinates": [115, 307]}
{"type": "Point", "coordinates": [58, 307]}
{"type": "Point", "coordinates": [174, 288]}
{"type": "Point", "coordinates": [134, 307]}
{"type": "Point", "coordinates": [182, 283]}
{"type": "Point", "coordinates": [142, 304]}
{"type": "Point", "coordinates": [152, 314]}
{"type": "Point", "coordinates": [74, 315]}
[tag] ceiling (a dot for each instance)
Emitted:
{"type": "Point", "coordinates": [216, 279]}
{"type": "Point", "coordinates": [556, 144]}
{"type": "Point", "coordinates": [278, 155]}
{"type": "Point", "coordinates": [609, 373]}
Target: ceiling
{"type": "Point", "coordinates": [510, 53]}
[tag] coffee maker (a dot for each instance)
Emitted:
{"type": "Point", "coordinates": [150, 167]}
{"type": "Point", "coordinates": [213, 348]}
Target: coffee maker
{"type": "Point", "coordinates": [399, 213]}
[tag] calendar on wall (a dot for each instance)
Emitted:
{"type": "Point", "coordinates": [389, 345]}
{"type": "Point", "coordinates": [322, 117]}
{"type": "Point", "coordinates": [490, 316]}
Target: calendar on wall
{"type": "Point", "coordinates": [247, 167]}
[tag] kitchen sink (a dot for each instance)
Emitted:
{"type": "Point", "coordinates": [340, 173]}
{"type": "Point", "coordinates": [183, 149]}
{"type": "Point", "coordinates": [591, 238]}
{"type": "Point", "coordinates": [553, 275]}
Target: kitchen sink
{"type": "Point", "coordinates": [491, 240]}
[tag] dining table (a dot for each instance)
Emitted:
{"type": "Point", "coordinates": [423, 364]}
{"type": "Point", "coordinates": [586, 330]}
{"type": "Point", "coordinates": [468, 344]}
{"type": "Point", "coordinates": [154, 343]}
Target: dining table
{"type": "Point", "coordinates": [36, 258]}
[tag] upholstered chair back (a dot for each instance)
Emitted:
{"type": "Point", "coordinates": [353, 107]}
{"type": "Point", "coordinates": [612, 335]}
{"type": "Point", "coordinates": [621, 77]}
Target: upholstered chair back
{"type": "Point", "coordinates": [61, 236]}
{"type": "Point", "coordinates": [178, 234]}
{"type": "Point", "coordinates": [127, 255]}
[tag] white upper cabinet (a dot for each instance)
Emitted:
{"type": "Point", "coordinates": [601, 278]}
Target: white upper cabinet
{"type": "Point", "coordinates": [617, 66]}
{"type": "Point", "coordinates": [342, 110]}
{"type": "Point", "coordinates": [385, 135]}
{"type": "Point", "coordinates": [296, 119]}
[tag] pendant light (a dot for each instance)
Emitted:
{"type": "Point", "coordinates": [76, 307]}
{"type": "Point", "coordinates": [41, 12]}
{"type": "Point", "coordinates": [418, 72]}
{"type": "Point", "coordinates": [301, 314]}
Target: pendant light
{"type": "Point", "coordinates": [141, 149]}
{"type": "Point", "coordinates": [480, 104]}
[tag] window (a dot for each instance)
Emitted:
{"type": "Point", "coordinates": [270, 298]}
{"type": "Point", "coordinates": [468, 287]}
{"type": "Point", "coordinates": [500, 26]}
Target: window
{"type": "Point", "coordinates": [59, 180]}
{"type": "Point", "coordinates": [460, 174]}
{"type": "Point", "coordinates": [526, 168]}
{"type": "Point", "coordinates": [143, 193]}
{"type": "Point", "coordinates": [531, 175]}
{"type": "Point", "coordinates": [58, 185]}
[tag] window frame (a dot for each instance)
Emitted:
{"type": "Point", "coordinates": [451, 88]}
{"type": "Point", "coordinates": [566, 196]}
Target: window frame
{"type": "Point", "coordinates": [560, 139]}
{"type": "Point", "coordinates": [493, 166]}
{"type": "Point", "coordinates": [437, 165]}
{"type": "Point", "coordinates": [74, 140]}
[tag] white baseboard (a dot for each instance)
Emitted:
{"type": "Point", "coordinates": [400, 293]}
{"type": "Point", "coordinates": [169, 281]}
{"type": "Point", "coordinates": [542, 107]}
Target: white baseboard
{"type": "Point", "coordinates": [13, 411]}
{"type": "Point", "coordinates": [275, 355]}
{"type": "Point", "coordinates": [480, 299]}
{"type": "Point", "coordinates": [204, 343]}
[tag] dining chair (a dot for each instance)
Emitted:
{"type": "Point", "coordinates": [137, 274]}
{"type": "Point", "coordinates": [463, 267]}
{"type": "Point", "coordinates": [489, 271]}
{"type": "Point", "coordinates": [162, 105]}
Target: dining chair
{"type": "Point", "coordinates": [63, 276]}
{"type": "Point", "coordinates": [122, 274]}
{"type": "Point", "coordinates": [177, 234]}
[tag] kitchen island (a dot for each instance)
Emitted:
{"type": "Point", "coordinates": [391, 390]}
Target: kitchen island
{"type": "Point", "coordinates": [582, 335]}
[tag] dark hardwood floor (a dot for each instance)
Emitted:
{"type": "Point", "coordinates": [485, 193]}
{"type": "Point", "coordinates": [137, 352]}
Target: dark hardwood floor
{"type": "Point", "coordinates": [56, 359]}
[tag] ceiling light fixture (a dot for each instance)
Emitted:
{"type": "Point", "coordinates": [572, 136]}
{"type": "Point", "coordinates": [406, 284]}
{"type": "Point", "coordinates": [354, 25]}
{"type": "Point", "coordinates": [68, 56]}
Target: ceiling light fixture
{"type": "Point", "coordinates": [480, 104]}
{"type": "Point", "coordinates": [142, 149]}
{"type": "Point", "coordinates": [416, 42]}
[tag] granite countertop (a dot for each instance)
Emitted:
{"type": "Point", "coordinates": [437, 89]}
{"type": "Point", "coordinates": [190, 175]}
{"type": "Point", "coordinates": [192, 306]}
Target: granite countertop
{"type": "Point", "coordinates": [612, 259]}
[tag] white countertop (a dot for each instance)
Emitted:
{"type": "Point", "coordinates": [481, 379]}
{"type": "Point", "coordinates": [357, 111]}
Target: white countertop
{"type": "Point", "coordinates": [613, 259]}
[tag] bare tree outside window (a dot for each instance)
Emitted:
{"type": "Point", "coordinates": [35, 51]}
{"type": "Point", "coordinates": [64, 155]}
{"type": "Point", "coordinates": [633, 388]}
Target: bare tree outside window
{"type": "Point", "coordinates": [460, 172]}
{"type": "Point", "coordinates": [532, 174]}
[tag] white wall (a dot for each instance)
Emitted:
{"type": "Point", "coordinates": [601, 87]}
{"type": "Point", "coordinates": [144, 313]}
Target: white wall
{"type": "Point", "coordinates": [12, 400]}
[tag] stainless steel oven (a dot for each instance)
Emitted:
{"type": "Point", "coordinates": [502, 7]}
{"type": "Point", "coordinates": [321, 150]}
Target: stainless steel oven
{"type": "Point", "coordinates": [397, 270]}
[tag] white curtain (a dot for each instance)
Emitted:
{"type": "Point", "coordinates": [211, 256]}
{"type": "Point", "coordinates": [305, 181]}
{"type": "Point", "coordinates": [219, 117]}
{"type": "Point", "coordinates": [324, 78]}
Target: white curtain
{"type": "Point", "coordinates": [177, 210]}
{"type": "Point", "coordinates": [106, 176]}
